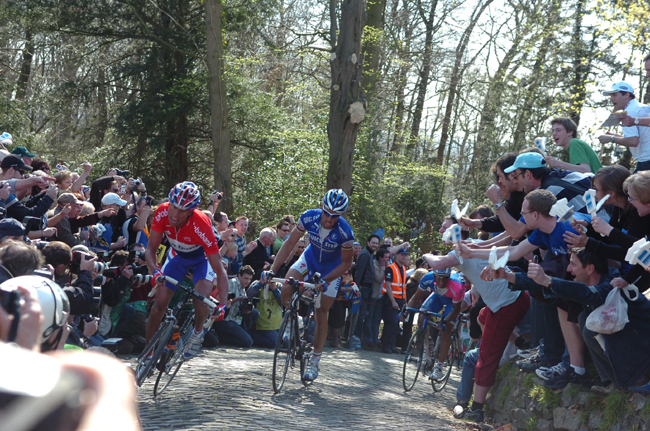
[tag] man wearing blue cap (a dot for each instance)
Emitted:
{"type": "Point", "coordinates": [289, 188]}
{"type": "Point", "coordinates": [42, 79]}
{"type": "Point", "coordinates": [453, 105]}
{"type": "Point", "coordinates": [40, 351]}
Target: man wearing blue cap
{"type": "Point", "coordinates": [636, 138]}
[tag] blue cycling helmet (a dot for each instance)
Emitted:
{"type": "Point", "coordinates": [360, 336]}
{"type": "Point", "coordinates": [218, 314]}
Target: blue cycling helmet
{"type": "Point", "coordinates": [335, 201]}
{"type": "Point", "coordinates": [185, 195]}
{"type": "Point", "coordinates": [442, 272]}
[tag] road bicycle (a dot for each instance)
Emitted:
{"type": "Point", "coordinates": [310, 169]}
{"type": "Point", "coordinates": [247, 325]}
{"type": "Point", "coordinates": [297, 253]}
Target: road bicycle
{"type": "Point", "coordinates": [167, 346]}
{"type": "Point", "coordinates": [424, 348]}
{"type": "Point", "coordinates": [294, 343]}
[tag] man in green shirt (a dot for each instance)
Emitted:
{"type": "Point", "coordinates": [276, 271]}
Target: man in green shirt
{"type": "Point", "coordinates": [582, 157]}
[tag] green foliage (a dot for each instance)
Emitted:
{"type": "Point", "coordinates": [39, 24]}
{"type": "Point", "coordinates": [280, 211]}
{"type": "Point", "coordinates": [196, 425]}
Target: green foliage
{"type": "Point", "coordinates": [531, 423]}
{"type": "Point", "coordinates": [584, 418]}
{"type": "Point", "coordinates": [547, 398]}
{"type": "Point", "coordinates": [529, 382]}
{"type": "Point", "coordinates": [617, 406]}
{"type": "Point", "coordinates": [572, 390]}
{"type": "Point", "coordinates": [504, 370]}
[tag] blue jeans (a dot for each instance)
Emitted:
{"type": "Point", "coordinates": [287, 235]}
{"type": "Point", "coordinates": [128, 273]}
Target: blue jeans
{"type": "Point", "coordinates": [362, 329]}
{"type": "Point", "coordinates": [391, 322]}
{"type": "Point", "coordinates": [642, 166]}
{"type": "Point", "coordinates": [232, 334]}
{"type": "Point", "coordinates": [264, 338]}
{"type": "Point", "coordinates": [128, 313]}
{"type": "Point", "coordinates": [466, 385]}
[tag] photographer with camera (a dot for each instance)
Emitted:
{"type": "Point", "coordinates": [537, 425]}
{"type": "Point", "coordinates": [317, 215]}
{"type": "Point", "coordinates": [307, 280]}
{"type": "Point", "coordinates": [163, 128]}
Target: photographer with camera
{"type": "Point", "coordinates": [232, 330]}
{"type": "Point", "coordinates": [76, 276]}
{"type": "Point", "coordinates": [135, 229]}
{"type": "Point", "coordinates": [115, 312]}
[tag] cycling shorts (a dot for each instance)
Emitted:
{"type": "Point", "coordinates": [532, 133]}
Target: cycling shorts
{"type": "Point", "coordinates": [435, 302]}
{"type": "Point", "coordinates": [177, 268]}
{"type": "Point", "coordinates": [308, 271]}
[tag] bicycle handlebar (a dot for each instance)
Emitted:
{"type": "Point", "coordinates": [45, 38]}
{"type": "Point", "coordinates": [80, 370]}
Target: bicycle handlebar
{"type": "Point", "coordinates": [210, 301]}
{"type": "Point", "coordinates": [293, 282]}
{"type": "Point", "coordinates": [427, 312]}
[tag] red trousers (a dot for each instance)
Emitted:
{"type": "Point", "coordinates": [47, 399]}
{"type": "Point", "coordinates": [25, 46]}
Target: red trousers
{"type": "Point", "coordinates": [498, 327]}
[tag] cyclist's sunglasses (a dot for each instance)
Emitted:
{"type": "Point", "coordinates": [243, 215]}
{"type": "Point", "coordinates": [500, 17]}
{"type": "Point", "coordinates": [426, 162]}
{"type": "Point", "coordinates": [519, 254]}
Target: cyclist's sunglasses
{"type": "Point", "coordinates": [330, 215]}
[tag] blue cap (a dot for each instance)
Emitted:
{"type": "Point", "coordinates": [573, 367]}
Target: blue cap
{"type": "Point", "coordinates": [527, 161]}
{"type": "Point", "coordinates": [11, 227]}
{"type": "Point", "coordinates": [619, 86]}
{"type": "Point", "coordinates": [402, 251]}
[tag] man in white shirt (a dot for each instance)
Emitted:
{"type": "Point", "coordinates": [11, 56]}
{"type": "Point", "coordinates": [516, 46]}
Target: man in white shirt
{"type": "Point", "coordinates": [636, 138]}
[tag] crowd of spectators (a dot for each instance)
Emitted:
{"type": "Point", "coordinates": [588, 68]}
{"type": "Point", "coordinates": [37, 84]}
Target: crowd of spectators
{"type": "Point", "coordinates": [90, 240]}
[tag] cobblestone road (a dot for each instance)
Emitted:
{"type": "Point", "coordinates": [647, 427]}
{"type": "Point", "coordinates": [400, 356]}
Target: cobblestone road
{"type": "Point", "coordinates": [229, 388]}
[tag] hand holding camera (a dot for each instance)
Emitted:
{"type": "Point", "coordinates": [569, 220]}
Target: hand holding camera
{"type": "Point", "coordinates": [216, 196]}
{"type": "Point", "coordinates": [51, 191]}
{"type": "Point", "coordinates": [4, 191]}
{"type": "Point", "coordinates": [127, 272]}
{"type": "Point", "coordinates": [87, 264]}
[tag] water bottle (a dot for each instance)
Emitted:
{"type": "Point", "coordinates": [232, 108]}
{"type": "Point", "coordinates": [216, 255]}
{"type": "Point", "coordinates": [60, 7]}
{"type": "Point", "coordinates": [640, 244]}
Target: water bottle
{"type": "Point", "coordinates": [171, 344]}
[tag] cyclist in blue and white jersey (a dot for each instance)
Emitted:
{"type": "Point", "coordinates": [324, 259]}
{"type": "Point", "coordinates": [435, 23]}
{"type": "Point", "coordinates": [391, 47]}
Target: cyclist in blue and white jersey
{"type": "Point", "coordinates": [329, 253]}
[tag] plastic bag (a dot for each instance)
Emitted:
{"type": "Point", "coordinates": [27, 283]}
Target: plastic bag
{"type": "Point", "coordinates": [612, 315]}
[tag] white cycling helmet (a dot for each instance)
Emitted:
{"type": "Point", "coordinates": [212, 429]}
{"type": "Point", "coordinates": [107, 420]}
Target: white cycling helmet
{"type": "Point", "coordinates": [55, 306]}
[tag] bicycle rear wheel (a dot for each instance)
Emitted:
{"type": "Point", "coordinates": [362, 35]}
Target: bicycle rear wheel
{"type": "Point", "coordinates": [155, 348]}
{"type": "Point", "coordinates": [284, 351]}
{"type": "Point", "coordinates": [439, 385]}
{"type": "Point", "coordinates": [413, 360]}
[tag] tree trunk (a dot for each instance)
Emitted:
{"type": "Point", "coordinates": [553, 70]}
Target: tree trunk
{"type": "Point", "coordinates": [102, 107]}
{"type": "Point", "coordinates": [581, 64]}
{"type": "Point", "coordinates": [425, 71]}
{"type": "Point", "coordinates": [537, 75]}
{"type": "Point", "coordinates": [218, 107]}
{"type": "Point", "coordinates": [455, 78]}
{"type": "Point", "coordinates": [26, 67]}
{"type": "Point", "coordinates": [347, 105]}
{"type": "Point", "coordinates": [373, 35]}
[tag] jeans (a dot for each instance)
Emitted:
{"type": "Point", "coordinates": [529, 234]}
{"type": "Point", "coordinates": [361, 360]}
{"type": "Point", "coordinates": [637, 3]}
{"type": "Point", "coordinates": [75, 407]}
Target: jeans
{"type": "Point", "coordinates": [232, 334]}
{"type": "Point", "coordinates": [553, 340]}
{"type": "Point", "coordinates": [391, 322]}
{"type": "Point", "coordinates": [364, 312]}
{"type": "Point", "coordinates": [642, 166]}
{"type": "Point", "coordinates": [265, 338]}
{"type": "Point", "coordinates": [466, 385]}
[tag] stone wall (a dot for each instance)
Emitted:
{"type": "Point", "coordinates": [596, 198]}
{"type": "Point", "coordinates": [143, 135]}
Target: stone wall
{"type": "Point", "coordinates": [521, 399]}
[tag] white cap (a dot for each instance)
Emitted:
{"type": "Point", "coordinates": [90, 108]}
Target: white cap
{"type": "Point", "coordinates": [112, 198]}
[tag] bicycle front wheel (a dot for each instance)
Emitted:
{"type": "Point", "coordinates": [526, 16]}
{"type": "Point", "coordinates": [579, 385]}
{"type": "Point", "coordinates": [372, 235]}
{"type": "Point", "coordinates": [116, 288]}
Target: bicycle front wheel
{"type": "Point", "coordinates": [284, 351]}
{"type": "Point", "coordinates": [165, 377]}
{"type": "Point", "coordinates": [439, 385]}
{"type": "Point", "coordinates": [413, 360]}
{"type": "Point", "coordinates": [154, 348]}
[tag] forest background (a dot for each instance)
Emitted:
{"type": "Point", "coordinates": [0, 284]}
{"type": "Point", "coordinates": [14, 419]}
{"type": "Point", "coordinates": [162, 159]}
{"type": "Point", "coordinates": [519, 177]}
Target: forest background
{"type": "Point", "coordinates": [403, 103]}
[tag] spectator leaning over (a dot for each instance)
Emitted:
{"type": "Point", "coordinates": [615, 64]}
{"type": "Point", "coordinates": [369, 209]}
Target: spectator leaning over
{"type": "Point", "coordinates": [41, 205]}
{"type": "Point", "coordinates": [394, 292]}
{"type": "Point", "coordinates": [503, 189]}
{"type": "Point", "coordinates": [636, 138]}
{"type": "Point", "coordinates": [283, 230]}
{"type": "Point", "coordinates": [260, 254]}
{"type": "Point", "coordinates": [531, 172]}
{"type": "Point", "coordinates": [505, 309]}
{"type": "Point", "coordinates": [582, 157]}
{"type": "Point", "coordinates": [116, 313]}
{"type": "Point", "coordinates": [364, 277]}
{"type": "Point", "coordinates": [24, 154]}
{"type": "Point", "coordinates": [230, 330]}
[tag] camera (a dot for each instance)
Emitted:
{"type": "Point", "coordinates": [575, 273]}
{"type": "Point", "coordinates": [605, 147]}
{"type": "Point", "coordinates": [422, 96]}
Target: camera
{"type": "Point", "coordinates": [77, 255]}
{"type": "Point", "coordinates": [137, 182]}
{"type": "Point", "coordinates": [10, 301]}
{"type": "Point", "coordinates": [87, 317]}
{"type": "Point", "coordinates": [141, 278]}
{"type": "Point", "coordinates": [148, 200]}
{"type": "Point", "coordinates": [133, 254]}
{"type": "Point", "coordinates": [120, 172]}
{"type": "Point", "coordinates": [219, 194]}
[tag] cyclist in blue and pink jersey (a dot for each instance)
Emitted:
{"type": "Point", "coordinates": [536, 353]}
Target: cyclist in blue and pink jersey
{"type": "Point", "coordinates": [448, 291]}
{"type": "Point", "coordinates": [329, 253]}
{"type": "Point", "coordinates": [193, 248]}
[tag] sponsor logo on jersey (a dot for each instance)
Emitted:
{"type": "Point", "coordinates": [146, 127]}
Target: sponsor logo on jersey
{"type": "Point", "coordinates": [161, 215]}
{"type": "Point", "coordinates": [202, 235]}
{"type": "Point", "coordinates": [343, 234]}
